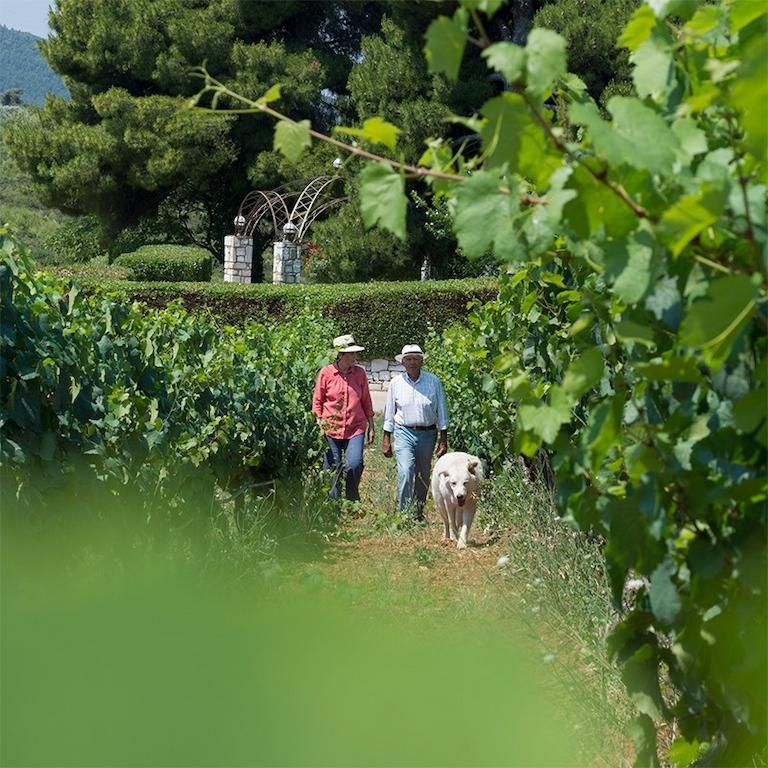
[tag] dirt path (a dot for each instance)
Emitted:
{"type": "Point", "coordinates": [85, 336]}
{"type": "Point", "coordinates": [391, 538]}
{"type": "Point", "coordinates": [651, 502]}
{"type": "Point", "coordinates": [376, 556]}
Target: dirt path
{"type": "Point", "coordinates": [381, 556]}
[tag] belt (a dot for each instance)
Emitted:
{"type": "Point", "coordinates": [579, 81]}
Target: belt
{"type": "Point", "coordinates": [422, 429]}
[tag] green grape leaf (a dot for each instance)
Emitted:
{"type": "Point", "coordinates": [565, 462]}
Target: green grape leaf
{"type": "Point", "coordinates": [292, 138]}
{"type": "Point", "coordinates": [681, 8]}
{"type": "Point", "coordinates": [603, 430]}
{"type": "Point", "coordinates": [693, 141]}
{"type": "Point", "coordinates": [627, 330]}
{"type": "Point", "coordinates": [744, 12]}
{"type": "Point", "coordinates": [638, 29]}
{"type": "Point", "coordinates": [641, 678]}
{"type": "Point", "coordinates": [628, 263]}
{"type": "Point", "coordinates": [749, 95]}
{"type": "Point", "coordinates": [712, 324]}
{"type": "Point", "coordinates": [544, 420]}
{"type": "Point", "coordinates": [382, 198]}
{"type": "Point", "coordinates": [750, 410]}
{"type": "Point", "coordinates": [542, 225]}
{"type": "Point", "coordinates": [653, 70]}
{"type": "Point", "coordinates": [704, 20]}
{"type": "Point", "coordinates": [682, 753]}
{"type": "Point", "coordinates": [583, 374]}
{"type": "Point", "coordinates": [510, 135]}
{"type": "Point", "coordinates": [485, 216]}
{"type": "Point", "coordinates": [690, 215]}
{"type": "Point", "coordinates": [641, 460]}
{"type": "Point", "coordinates": [642, 731]}
{"type": "Point", "coordinates": [671, 369]}
{"type": "Point", "coordinates": [684, 445]}
{"type": "Point", "coordinates": [445, 41]}
{"type": "Point", "coordinates": [376, 130]}
{"type": "Point", "coordinates": [638, 137]}
{"type": "Point", "coordinates": [273, 94]}
{"type": "Point", "coordinates": [545, 60]}
{"type": "Point", "coordinates": [665, 601]}
{"type": "Point", "coordinates": [595, 208]}
{"type": "Point", "coordinates": [488, 7]}
{"type": "Point", "coordinates": [508, 59]}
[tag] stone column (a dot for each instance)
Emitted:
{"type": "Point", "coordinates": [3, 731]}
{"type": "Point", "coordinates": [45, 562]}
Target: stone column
{"type": "Point", "coordinates": [286, 262]}
{"type": "Point", "coordinates": [238, 259]}
{"type": "Point", "coordinates": [426, 267]}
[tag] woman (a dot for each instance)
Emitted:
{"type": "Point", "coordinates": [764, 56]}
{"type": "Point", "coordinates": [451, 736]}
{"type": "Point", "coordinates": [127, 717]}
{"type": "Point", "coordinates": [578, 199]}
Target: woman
{"type": "Point", "coordinates": [342, 404]}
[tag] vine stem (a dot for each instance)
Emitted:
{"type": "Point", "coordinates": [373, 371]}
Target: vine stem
{"type": "Point", "coordinates": [743, 179]}
{"type": "Point", "coordinates": [713, 264]}
{"type": "Point", "coordinates": [413, 171]}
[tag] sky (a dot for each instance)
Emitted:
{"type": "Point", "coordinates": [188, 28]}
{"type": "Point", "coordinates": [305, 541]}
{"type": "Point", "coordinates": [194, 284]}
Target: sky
{"type": "Point", "coordinates": [26, 15]}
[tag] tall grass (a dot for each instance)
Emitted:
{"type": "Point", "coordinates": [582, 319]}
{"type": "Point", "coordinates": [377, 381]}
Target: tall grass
{"type": "Point", "coordinates": [552, 577]}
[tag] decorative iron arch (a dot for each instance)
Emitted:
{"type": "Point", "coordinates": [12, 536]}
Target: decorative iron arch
{"type": "Point", "coordinates": [297, 202]}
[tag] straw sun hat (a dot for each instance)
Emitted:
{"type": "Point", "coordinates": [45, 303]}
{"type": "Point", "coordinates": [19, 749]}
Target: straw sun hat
{"type": "Point", "coordinates": [346, 343]}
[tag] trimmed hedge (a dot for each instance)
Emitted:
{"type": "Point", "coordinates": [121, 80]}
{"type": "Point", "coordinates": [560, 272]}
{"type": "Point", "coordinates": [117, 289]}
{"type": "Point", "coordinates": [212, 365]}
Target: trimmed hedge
{"type": "Point", "coordinates": [382, 316]}
{"type": "Point", "coordinates": [167, 263]}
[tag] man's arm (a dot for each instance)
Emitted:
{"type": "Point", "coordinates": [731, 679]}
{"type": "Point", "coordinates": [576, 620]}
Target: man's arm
{"type": "Point", "coordinates": [442, 420]}
{"type": "Point", "coordinates": [389, 421]}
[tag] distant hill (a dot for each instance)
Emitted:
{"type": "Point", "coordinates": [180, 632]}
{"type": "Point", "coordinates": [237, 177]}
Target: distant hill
{"type": "Point", "coordinates": [23, 66]}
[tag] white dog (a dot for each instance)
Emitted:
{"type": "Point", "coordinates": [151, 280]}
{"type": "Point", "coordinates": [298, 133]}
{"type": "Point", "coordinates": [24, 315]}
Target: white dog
{"type": "Point", "coordinates": [456, 482]}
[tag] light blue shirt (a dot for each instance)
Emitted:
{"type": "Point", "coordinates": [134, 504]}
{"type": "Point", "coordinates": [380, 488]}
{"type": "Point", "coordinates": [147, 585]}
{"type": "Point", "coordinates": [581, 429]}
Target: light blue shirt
{"type": "Point", "coordinates": [419, 403]}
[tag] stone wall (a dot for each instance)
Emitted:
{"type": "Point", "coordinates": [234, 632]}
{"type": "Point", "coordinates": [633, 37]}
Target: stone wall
{"type": "Point", "coordinates": [380, 372]}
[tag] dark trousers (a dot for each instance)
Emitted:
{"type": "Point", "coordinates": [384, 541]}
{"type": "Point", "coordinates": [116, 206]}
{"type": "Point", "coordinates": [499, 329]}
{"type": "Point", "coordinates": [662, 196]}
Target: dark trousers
{"type": "Point", "coordinates": [345, 457]}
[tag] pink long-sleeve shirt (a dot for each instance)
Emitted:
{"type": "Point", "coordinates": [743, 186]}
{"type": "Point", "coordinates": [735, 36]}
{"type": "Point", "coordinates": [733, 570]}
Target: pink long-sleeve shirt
{"type": "Point", "coordinates": [343, 400]}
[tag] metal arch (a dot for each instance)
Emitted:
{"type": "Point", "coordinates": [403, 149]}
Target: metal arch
{"type": "Point", "coordinates": [298, 201]}
{"type": "Point", "coordinates": [315, 212]}
{"type": "Point", "coordinates": [257, 204]}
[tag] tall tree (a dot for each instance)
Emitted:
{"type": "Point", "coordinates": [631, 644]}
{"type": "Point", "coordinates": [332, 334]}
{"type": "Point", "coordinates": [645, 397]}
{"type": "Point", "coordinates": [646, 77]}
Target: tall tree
{"type": "Point", "coordinates": [126, 148]}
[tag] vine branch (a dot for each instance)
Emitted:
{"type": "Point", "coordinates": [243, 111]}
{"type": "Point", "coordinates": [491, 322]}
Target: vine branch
{"type": "Point", "coordinates": [414, 171]}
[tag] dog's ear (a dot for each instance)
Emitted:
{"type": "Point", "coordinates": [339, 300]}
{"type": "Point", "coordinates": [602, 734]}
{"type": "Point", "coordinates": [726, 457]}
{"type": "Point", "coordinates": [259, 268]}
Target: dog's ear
{"type": "Point", "coordinates": [472, 466]}
{"type": "Point", "coordinates": [444, 473]}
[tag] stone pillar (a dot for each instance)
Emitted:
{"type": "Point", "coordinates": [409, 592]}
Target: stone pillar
{"type": "Point", "coordinates": [286, 262]}
{"type": "Point", "coordinates": [238, 259]}
{"type": "Point", "coordinates": [426, 267]}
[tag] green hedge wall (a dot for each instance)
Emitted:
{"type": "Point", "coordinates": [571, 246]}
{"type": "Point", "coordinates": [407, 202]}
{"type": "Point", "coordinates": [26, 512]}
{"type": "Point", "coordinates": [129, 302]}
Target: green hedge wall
{"type": "Point", "coordinates": [167, 263]}
{"type": "Point", "coordinates": [382, 316]}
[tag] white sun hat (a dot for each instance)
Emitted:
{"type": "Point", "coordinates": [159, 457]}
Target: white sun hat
{"type": "Point", "coordinates": [346, 343]}
{"type": "Point", "coordinates": [409, 349]}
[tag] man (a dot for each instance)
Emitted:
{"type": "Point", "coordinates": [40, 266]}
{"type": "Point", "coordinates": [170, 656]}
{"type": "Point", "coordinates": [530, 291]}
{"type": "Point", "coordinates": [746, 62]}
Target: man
{"type": "Point", "coordinates": [416, 412]}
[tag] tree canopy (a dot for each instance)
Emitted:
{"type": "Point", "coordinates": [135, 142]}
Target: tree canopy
{"type": "Point", "coordinates": [126, 149]}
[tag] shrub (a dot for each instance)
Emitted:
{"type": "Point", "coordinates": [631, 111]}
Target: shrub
{"type": "Point", "coordinates": [168, 263]}
{"type": "Point", "coordinates": [77, 240]}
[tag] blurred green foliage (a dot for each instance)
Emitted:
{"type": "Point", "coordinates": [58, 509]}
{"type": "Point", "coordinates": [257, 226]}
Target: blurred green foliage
{"type": "Point", "coordinates": [143, 659]}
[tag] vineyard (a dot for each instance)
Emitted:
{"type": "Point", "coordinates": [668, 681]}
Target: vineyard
{"type": "Point", "coordinates": [625, 356]}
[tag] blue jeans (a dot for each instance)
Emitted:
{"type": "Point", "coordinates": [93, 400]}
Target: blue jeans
{"type": "Point", "coordinates": [413, 453]}
{"type": "Point", "coordinates": [345, 456]}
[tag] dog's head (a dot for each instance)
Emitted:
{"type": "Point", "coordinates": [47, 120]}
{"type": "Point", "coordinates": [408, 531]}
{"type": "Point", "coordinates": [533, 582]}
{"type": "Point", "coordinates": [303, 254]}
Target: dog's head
{"type": "Point", "coordinates": [463, 479]}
